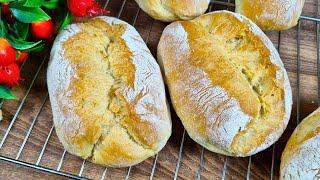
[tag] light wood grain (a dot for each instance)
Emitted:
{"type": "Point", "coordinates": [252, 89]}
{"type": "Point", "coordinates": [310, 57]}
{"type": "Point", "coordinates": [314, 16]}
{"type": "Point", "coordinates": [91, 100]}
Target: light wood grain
{"type": "Point", "coordinates": [213, 164]}
{"type": "Point", "coordinates": [9, 171]}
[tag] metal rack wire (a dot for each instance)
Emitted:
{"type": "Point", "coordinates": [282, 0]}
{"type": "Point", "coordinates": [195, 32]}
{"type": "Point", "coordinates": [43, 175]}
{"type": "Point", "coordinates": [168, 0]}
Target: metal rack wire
{"type": "Point", "coordinates": [228, 5]}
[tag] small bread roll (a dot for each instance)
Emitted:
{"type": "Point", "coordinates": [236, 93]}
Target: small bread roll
{"type": "Point", "coordinates": [107, 94]}
{"type": "Point", "coordinates": [227, 82]}
{"type": "Point", "coordinates": [271, 14]}
{"type": "Point", "coordinates": [172, 10]}
{"type": "Point", "coordinates": [301, 157]}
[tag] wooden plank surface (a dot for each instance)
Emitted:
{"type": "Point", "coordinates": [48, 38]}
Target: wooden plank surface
{"type": "Point", "coordinates": [181, 157]}
{"type": "Point", "coordinates": [12, 171]}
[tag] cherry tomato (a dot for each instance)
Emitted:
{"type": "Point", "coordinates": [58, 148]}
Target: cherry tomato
{"type": "Point", "coordinates": [5, 10]}
{"type": "Point", "coordinates": [43, 29]}
{"type": "Point", "coordinates": [80, 8]}
{"type": "Point", "coordinates": [7, 53]}
{"type": "Point", "coordinates": [10, 75]}
{"type": "Point", "coordinates": [85, 8]}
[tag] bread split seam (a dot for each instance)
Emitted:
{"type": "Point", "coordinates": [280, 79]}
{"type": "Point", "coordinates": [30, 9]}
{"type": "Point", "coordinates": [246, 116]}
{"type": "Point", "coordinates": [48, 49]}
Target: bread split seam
{"type": "Point", "coordinates": [247, 92]}
{"type": "Point", "coordinates": [112, 96]}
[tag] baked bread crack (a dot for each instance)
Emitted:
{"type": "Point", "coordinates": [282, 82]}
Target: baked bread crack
{"type": "Point", "coordinates": [226, 81]}
{"type": "Point", "coordinates": [117, 117]}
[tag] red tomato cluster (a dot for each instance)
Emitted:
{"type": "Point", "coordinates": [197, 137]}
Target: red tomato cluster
{"type": "Point", "coordinates": [9, 63]}
{"type": "Point", "coordinates": [11, 59]}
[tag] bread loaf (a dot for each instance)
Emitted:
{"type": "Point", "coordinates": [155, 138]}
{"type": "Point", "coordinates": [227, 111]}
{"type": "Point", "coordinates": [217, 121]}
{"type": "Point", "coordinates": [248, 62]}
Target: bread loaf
{"type": "Point", "coordinates": [227, 82]}
{"type": "Point", "coordinates": [301, 156]}
{"type": "Point", "coordinates": [107, 93]}
{"type": "Point", "coordinates": [171, 10]}
{"type": "Point", "coordinates": [271, 14]}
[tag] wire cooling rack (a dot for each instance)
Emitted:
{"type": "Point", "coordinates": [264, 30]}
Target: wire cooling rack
{"type": "Point", "coordinates": [32, 142]}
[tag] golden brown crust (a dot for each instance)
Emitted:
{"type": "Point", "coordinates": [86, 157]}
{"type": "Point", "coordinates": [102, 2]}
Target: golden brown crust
{"type": "Point", "coordinates": [299, 159]}
{"type": "Point", "coordinates": [271, 14]}
{"type": "Point", "coordinates": [112, 93]}
{"type": "Point", "coordinates": [171, 10]}
{"type": "Point", "coordinates": [117, 148]}
{"type": "Point", "coordinates": [228, 84]}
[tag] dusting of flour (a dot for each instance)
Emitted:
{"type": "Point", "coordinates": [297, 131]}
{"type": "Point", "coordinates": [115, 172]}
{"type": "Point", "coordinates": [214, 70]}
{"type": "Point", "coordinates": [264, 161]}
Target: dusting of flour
{"type": "Point", "coordinates": [305, 164]}
{"type": "Point", "coordinates": [281, 76]}
{"type": "Point", "coordinates": [223, 124]}
{"type": "Point", "coordinates": [60, 73]}
{"type": "Point", "coordinates": [148, 85]}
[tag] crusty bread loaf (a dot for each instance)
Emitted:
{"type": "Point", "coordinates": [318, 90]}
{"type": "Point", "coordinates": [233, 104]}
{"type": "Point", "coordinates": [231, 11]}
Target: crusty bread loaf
{"type": "Point", "coordinates": [271, 14]}
{"type": "Point", "coordinates": [227, 82]}
{"type": "Point", "coordinates": [171, 10]}
{"type": "Point", "coordinates": [107, 93]}
{"type": "Point", "coordinates": [301, 157]}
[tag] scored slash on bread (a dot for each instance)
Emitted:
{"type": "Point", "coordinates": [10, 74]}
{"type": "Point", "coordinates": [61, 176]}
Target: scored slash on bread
{"type": "Point", "coordinates": [107, 93]}
{"type": "Point", "coordinates": [227, 82]}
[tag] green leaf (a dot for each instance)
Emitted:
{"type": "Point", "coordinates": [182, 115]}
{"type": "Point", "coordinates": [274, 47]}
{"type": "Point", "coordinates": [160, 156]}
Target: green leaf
{"type": "Point", "coordinates": [21, 30]}
{"type": "Point", "coordinates": [36, 49]}
{"type": "Point", "coordinates": [3, 29]}
{"type": "Point", "coordinates": [28, 14]}
{"type": "Point", "coordinates": [66, 21]}
{"type": "Point", "coordinates": [21, 44]}
{"type": "Point", "coordinates": [51, 4]}
{"type": "Point", "coordinates": [0, 10]}
{"type": "Point", "coordinates": [5, 93]}
{"type": "Point", "coordinates": [5, 1]}
{"type": "Point", "coordinates": [33, 3]}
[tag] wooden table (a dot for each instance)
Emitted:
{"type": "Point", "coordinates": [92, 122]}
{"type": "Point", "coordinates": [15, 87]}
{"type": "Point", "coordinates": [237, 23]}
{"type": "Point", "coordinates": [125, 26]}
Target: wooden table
{"type": "Point", "coordinates": [13, 171]}
{"type": "Point", "coordinates": [32, 109]}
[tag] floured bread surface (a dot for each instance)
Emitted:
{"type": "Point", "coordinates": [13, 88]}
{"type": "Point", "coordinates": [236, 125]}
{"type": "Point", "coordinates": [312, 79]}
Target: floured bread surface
{"type": "Point", "coordinates": [227, 82]}
{"type": "Point", "coordinates": [171, 10]}
{"type": "Point", "coordinates": [271, 14]}
{"type": "Point", "coordinates": [107, 93]}
{"type": "Point", "coordinates": [301, 157]}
